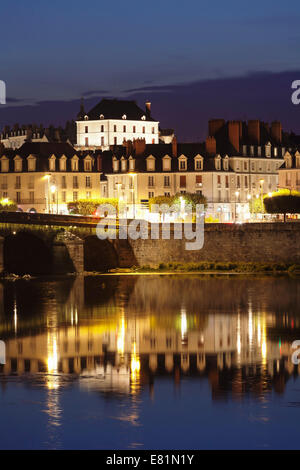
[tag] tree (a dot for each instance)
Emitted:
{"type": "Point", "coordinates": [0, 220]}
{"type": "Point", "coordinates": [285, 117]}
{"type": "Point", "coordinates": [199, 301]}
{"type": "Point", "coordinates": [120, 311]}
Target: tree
{"type": "Point", "coordinates": [90, 206]}
{"type": "Point", "coordinates": [6, 205]}
{"type": "Point", "coordinates": [256, 206]}
{"type": "Point", "coordinates": [190, 198]}
{"type": "Point", "coordinates": [283, 203]}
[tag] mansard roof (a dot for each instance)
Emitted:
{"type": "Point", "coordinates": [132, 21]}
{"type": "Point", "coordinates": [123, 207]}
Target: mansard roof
{"type": "Point", "coordinates": [116, 109]}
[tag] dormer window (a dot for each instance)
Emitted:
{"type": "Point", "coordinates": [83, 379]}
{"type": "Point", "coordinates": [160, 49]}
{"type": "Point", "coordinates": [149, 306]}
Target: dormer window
{"type": "Point", "coordinates": [18, 163]}
{"type": "Point", "coordinates": [131, 164]}
{"type": "Point", "coordinates": [198, 162]}
{"type": "Point", "coordinates": [52, 163]}
{"type": "Point", "coordinates": [31, 160]}
{"type": "Point", "coordinates": [218, 162]}
{"type": "Point", "coordinates": [150, 163]}
{"type": "Point", "coordinates": [75, 163]}
{"type": "Point", "coordinates": [101, 116]}
{"type": "Point", "coordinates": [87, 164]}
{"type": "Point", "coordinates": [268, 149]}
{"type": "Point", "coordinates": [288, 160]}
{"type": "Point", "coordinates": [4, 164]}
{"type": "Point", "coordinates": [226, 163]}
{"type": "Point", "coordinates": [297, 156]}
{"type": "Point", "coordinates": [143, 118]}
{"type": "Point", "coordinates": [166, 163]}
{"type": "Point", "coordinates": [86, 118]}
{"type": "Point", "coordinates": [123, 164]}
{"type": "Point", "coordinates": [182, 163]}
{"type": "Point", "coordinates": [115, 164]}
{"type": "Point", "coordinates": [63, 163]}
{"type": "Point", "coordinates": [124, 116]}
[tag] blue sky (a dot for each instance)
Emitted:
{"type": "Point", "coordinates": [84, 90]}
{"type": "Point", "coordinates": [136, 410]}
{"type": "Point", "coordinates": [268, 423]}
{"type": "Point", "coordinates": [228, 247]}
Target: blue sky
{"type": "Point", "coordinates": [62, 50]}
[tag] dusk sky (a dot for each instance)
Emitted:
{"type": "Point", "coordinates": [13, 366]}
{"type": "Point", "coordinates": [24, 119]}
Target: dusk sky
{"type": "Point", "coordinates": [55, 52]}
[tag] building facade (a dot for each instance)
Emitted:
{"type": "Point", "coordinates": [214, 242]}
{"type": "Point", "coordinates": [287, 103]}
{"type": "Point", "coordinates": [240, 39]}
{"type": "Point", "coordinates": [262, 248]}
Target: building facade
{"type": "Point", "coordinates": [289, 173]}
{"type": "Point", "coordinates": [111, 122]}
{"type": "Point", "coordinates": [228, 178]}
{"type": "Point", "coordinates": [44, 177]}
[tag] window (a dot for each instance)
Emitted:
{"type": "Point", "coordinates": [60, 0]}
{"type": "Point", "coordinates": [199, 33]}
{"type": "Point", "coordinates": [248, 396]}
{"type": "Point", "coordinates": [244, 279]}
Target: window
{"type": "Point", "coordinates": [150, 164]}
{"type": "Point", "coordinates": [4, 165]}
{"type": "Point", "coordinates": [63, 164]}
{"type": "Point", "coordinates": [153, 130]}
{"type": "Point", "coordinates": [150, 181]}
{"type": "Point", "coordinates": [123, 164]}
{"type": "Point", "coordinates": [238, 182]}
{"type": "Point", "coordinates": [245, 166]}
{"type": "Point", "coordinates": [153, 141]}
{"type": "Point", "coordinates": [86, 141]}
{"type": "Point", "coordinates": [218, 163]}
{"type": "Point", "coordinates": [166, 164]}
{"type": "Point", "coordinates": [18, 196]}
{"type": "Point", "coordinates": [52, 164]}
{"type": "Point", "coordinates": [253, 166]}
{"type": "Point", "coordinates": [63, 196]}
{"type": "Point", "coordinates": [167, 194]}
{"type": "Point", "coordinates": [31, 182]}
{"type": "Point", "coordinates": [182, 163]}
{"type": "Point", "coordinates": [102, 141]}
{"type": "Point", "coordinates": [115, 140]}
{"type": "Point", "coordinates": [18, 182]}
{"type": "Point", "coordinates": [86, 129]}
{"type": "Point", "coordinates": [75, 182]}
{"type": "Point", "coordinates": [226, 181]}
{"type": "Point", "coordinates": [124, 128]}
{"type": "Point", "coordinates": [134, 129]}
{"type": "Point", "coordinates": [88, 194]}
{"type": "Point", "coordinates": [219, 195]}
{"type": "Point", "coordinates": [116, 165]}
{"type": "Point", "coordinates": [199, 180]}
{"type": "Point", "coordinates": [144, 129]}
{"type": "Point", "coordinates": [131, 164]}
{"type": "Point", "coordinates": [18, 165]}
{"type": "Point", "coordinates": [31, 163]}
{"type": "Point", "coordinates": [88, 183]}
{"type": "Point", "coordinates": [115, 128]}
{"type": "Point", "coordinates": [31, 197]}
{"type": "Point", "coordinates": [63, 182]}
{"type": "Point", "coordinates": [87, 165]}
{"type": "Point", "coordinates": [150, 194]}
{"type": "Point", "coordinates": [182, 181]}
{"type": "Point", "coordinates": [166, 181]}
{"type": "Point", "coordinates": [75, 164]}
{"type": "Point", "coordinates": [246, 181]}
{"type": "Point", "coordinates": [198, 164]}
{"type": "Point", "coordinates": [4, 182]}
{"type": "Point", "coordinates": [102, 128]}
{"type": "Point", "coordinates": [75, 195]}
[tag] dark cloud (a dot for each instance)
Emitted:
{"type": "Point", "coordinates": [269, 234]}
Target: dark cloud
{"type": "Point", "coordinates": [187, 107]}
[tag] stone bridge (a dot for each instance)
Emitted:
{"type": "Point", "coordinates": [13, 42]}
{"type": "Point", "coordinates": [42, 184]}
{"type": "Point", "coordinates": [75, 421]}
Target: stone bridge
{"type": "Point", "coordinates": [53, 244]}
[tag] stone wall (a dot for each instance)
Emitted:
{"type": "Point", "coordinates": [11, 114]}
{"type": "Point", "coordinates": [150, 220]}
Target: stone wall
{"type": "Point", "coordinates": [257, 242]}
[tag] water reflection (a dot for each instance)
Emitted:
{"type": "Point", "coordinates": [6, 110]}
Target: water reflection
{"type": "Point", "coordinates": [116, 335]}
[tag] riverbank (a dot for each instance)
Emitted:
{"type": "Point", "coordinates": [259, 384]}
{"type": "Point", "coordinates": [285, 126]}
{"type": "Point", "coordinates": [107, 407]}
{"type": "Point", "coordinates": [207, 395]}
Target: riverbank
{"type": "Point", "coordinates": [212, 268]}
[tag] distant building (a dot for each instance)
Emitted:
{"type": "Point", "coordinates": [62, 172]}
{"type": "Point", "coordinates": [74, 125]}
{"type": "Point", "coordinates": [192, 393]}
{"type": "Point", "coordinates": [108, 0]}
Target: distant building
{"type": "Point", "coordinates": [237, 162]}
{"type": "Point", "coordinates": [111, 122]}
{"type": "Point", "coordinates": [289, 173]}
{"type": "Point", "coordinates": [44, 177]}
{"type": "Point", "coordinates": [166, 136]}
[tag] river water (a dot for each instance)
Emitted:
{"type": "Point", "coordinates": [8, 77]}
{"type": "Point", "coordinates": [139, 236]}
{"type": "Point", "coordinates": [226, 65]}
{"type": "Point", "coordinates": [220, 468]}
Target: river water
{"type": "Point", "coordinates": [150, 362]}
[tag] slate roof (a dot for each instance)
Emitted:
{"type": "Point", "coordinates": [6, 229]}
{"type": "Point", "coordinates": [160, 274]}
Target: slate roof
{"type": "Point", "coordinates": [115, 109]}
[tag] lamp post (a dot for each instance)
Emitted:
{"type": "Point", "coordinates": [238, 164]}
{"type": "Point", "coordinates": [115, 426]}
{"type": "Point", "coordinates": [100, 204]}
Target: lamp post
{"type": "Point", "coordinates": [235, 212]}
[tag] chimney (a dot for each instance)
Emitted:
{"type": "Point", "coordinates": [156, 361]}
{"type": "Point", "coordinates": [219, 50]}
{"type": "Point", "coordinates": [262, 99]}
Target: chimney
{"type": "Point", "coordinates": [174, 146]}
{"type": "Point", "coordinates": [276, 131]}
{"type": "Point", "coordinates": [211, 145]}
{"type": "Point", "coordinates": [234, 134]}
{"type": "Point", "coordinates": [254, 131]}
{"type": "Point", "coordinates": [214, 125]}
{"type": "Point", "coordinates": [129, 147]}
{"type": "Point", "coordinates": [148, 109]}
{"type": "Point", "coordinates": [99, 163]}
{"type": "Point", "coordinates": [140, 146]}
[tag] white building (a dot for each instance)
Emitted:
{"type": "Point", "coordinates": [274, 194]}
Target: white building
{"type": "Point", "coordinates": [111, 122]}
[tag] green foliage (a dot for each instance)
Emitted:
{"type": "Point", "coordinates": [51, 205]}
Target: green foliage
{"type": "Point", "coordinates": [6, 205]}
{"type": "Point", "coordinates": [211, 220]}
{"type": "Point", "coordinates": [189, 198]}
{"type": "Point", "coordinates": [89, 206]}
{"type": "Point", "coordinates": [256, 206]}
{"type": "Point", "coordinates": [283, 203]}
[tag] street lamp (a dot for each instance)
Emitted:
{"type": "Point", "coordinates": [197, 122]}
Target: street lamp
{"type": "Point", "coordinates": [261, 195]}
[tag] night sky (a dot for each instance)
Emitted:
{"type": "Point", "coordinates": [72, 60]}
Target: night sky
{"type": "Point", "coordinates": [194, 60]}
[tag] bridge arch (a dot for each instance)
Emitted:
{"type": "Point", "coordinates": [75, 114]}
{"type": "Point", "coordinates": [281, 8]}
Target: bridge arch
{"type": "Point", "coordinates": [26, 253]}
{"type": "Point", "coordinates": [99, 255]}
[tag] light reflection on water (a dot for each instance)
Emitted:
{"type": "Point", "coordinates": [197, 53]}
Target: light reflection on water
{"type": "Point", "coordinates": [104, 351]}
